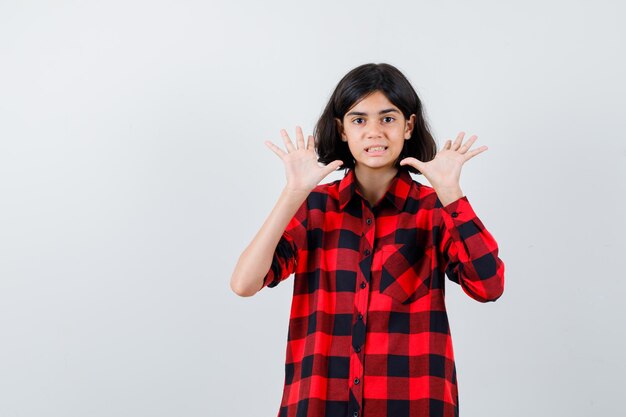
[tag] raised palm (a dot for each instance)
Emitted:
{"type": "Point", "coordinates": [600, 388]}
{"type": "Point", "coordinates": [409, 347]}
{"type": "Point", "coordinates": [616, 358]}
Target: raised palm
{"type": "Point", "coordinates": [444, 171]}
{"type": "Point", "coordinates": [301, 167]}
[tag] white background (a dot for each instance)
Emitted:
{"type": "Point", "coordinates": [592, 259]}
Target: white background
{"type": "Point", "coordinates": [133, 173]}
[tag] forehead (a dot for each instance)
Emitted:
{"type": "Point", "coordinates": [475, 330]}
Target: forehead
{"type": "Point", "coordinates": [372, 103]}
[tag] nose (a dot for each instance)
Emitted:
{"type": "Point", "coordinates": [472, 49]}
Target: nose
{"type": "Point", "coordinates": [374, 130]}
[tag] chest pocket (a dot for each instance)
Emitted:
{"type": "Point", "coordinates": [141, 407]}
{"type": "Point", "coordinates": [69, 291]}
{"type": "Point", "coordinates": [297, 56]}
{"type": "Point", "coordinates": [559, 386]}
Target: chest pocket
{"type": "Point", "coordinates": [405, 272]}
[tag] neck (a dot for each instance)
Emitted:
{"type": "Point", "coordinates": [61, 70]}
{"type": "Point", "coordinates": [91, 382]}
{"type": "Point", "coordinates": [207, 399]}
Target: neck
{"type": "Point", "coordinates": [374, 184]}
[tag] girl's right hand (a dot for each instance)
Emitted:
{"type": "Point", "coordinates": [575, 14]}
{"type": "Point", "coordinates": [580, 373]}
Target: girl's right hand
{"type": "Point", "coordinates": [301, 166]}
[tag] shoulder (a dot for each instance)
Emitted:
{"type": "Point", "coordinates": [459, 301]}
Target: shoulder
{"type": "Point", "coordinates": [322, 192]}
{"type": "Point", "coordinates": [427, 202]}
{"type": "Point", "coordinates": [425, 194]}
{"type": "Point", "coordinates": [327, 188]}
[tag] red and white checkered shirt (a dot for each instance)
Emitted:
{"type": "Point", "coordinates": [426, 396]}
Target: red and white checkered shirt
{"type": "Point", "coordinates": [368, 332]}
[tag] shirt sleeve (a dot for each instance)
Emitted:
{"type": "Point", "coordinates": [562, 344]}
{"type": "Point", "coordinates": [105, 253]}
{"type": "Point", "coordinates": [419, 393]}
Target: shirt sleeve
{"type": "Point", "coordinates": [290, 245]}
{"type": "Point", "coordinates": [470, 253]}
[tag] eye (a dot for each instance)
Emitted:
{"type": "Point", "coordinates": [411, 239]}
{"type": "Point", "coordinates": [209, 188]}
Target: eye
{"type": "Point", "coordinates": [389, 117]}
{"type": "Point", "coordinates": [355, 120]}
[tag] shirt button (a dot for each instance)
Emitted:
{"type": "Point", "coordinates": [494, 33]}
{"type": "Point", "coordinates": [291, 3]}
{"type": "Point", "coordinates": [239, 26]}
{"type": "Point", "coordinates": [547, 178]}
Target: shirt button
{"type": "Point", "coordinates": [355, 414]}
{"type": "Point", "coordinates": [356, 380]}
{"type": "Point", "coordinates": [455, 214]}
{"type": "Point", "coordinates": [363, 284]}
{"type": "Point", "coordinates": [368, 221]}
{"type": "Point", "coordinates": [367, 252]}
{"type": "Point", "coordinates": [358, 349]}
{"type": "Point", "coordinates": [360, 316]}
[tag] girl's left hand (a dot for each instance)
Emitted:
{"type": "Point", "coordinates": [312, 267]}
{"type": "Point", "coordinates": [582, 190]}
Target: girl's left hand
{"type": "Point", "coordinates": [444, 171]}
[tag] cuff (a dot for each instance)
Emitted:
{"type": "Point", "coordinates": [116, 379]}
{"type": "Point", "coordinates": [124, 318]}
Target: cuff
{"type": "Point", "coordinates": [459, 211]}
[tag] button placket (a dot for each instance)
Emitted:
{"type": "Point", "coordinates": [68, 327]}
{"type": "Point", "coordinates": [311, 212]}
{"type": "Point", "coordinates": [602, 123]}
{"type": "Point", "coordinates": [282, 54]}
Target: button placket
{"type": "Point", "coordinates": [368, 232]}
{"type": "Point", "coordinates": [367, 229]}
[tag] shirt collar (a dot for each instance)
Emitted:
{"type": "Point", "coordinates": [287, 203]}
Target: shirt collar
{"type": "Point", "coordinates": [397, 193]}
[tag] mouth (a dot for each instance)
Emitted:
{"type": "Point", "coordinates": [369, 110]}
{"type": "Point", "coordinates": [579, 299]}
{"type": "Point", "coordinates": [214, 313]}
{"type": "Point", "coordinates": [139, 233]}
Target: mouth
{"type": "Point", "coordinates": [376, 149]}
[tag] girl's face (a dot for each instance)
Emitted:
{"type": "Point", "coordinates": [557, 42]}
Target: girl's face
{"type": "Point", "coordinates": [375, 131]}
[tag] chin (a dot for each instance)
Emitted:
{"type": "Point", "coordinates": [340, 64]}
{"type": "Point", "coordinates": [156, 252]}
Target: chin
{"type": "Point", "coordinates": [380, 167]}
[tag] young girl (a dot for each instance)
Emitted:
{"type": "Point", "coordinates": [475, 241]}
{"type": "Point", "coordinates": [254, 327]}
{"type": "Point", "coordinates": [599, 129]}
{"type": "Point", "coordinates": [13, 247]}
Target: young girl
{"type": "Point", "coordinates": [368, 333]}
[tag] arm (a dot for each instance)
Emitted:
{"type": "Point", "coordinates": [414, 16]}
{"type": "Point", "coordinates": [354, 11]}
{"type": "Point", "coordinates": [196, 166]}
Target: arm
{"type": "Point", "coordinates": [273, 246]}
{"type": "Point", "coordinates": [469, 253]}
{"type": "Point", "coordinates": [255, 261]}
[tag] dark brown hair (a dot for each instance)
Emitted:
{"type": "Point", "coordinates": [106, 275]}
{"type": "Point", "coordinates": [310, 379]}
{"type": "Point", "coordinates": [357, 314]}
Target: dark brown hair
{"type": "Point", "coordinates": [355, 86]}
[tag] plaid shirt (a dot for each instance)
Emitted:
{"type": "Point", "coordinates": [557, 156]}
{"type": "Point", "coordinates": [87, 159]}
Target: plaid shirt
{"type": "Point", "coordinates": [368, 334]}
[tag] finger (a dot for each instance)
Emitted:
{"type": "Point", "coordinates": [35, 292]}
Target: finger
{"type": "Point", "coordinates": [457, 142]}
{"type": "Point", "coordinates": [468, 144]}
{"type": "Point", "coordinates": [310, 142]}
{"type": "Point", "coordinates": [275, 149]}
{"type": "Point", "coordinates": [333, 166]}
{"type": "Point", "coordinates": [287, 141]}
{"type": "Point", "coordinates": [447, 144]}
{"type": "Point", "coordinates": [415, 163]}
{"type": "Point", "coordinates": [475, 152]}
{"type": "Point", "coordinates": [299, 137]}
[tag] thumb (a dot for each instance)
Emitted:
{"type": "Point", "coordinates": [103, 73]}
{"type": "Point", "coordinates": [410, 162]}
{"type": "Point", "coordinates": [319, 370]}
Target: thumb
{"type": "Point", "coordinates": [415, 163]}
{"type": "Point", "coordinates": [333, 166]}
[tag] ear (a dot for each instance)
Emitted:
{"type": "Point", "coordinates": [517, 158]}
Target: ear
{"type": "Point", "coordinates": [340, 129]}
{"type": "Point", "coordinates": [410, 124]}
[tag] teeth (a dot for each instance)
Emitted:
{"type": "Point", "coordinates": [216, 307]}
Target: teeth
{"type": "Point", "coordinates": [377, 148]}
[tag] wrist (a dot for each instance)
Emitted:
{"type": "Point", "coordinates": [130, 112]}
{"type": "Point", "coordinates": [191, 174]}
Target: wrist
{"type": "Point", "coordinates": [449, 195]}
{"type": "Point", "coordinates": [295, 193]}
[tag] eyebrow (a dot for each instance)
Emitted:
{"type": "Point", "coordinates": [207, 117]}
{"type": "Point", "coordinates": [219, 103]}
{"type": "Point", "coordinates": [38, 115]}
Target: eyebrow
{"type": "Point", "coordinates": [360, 113]}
